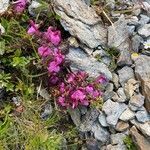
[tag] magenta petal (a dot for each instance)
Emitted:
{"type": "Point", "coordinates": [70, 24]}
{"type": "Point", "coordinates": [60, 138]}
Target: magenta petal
{"type": "Point", "coordinates": [44, 51]}
{"type": "Point", "coordinates": [53, 67]}
{"type": "Point", "coordinates": [61, 101]}
{"type": "Point", "coordinates": [78, 95]}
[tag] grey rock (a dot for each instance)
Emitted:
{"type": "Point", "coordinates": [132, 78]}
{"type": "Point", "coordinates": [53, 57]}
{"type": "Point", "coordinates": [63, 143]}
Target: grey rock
{"type": "Point", "coordinates": [144, 19]}
{"type": "Point", "coordinates": [75, 116]}
{"type": "Point", "coordinates": [143, 127]}
{"type": "Point", "coordinates": [102, 119]}
{"type": "Point", "coordinates": [137, 100]}
{"type": "Point", "coordinates": [88, 120]}
{"type": "Point", "coordinates": [127, 115]}
{"type": "Point", "coordinates": [106, 60]}
{"type": "Point", "coordinates": [147, 44]}
{"type": "Point", "coordinates": [142, 72]}
{"type": "Point", "coordinates": [81, 61]}
{"type": "Point", "coordinates": [4, 4]}
{"type": "Point", "coordinates": [121, 126]}
{"type": "Point", "coordinates": [142, 116]}
{"type": "Point", "coordinates": [111, 3]}
{"type": "Point", "coordinates": [88, 2]}
{"type": "Point", "coordinates": [100, 133]}
{"type": "Point", "coordinates": [133, 20]}
{"type": "Point", "coordinates": [121, 94]}
{"type": "Point", "coordinates": [43, 93]}
{"type": "Point", "coordinates": [140, 141]}
{"type": "Point", "coordinates": [118, 36]}
{"type": "Point", "coordinates": [116, 147]}
{"type": "Point", "coordinates": [136, 42]}
{"type": "Point", "coordinates": [108, 95]}
{"type": "Point", "coordinates": [131, 29]}
{"type": "Point", "coordinates": [33, 8]}
{"type": "Point", "coordinates": [125, 74]}
{"type": "Point", "coordinates": [92, 144]}
{"type": "Point", "coordinates": [117, 138]}
{"type": "Point", "coordinates": [99, 52]}
{"type": "Point", "coordinates": [113, 110]}
{"type": "Point", "coordinates": [81, 21]}
{"type": "Point", "coordinates": [115, 80]}
{"type": "Point", "coordinates": [145, 30]}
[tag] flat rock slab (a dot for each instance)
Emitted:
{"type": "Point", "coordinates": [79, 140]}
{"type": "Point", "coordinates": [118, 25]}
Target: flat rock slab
{"type": "Point", "coordinates": [81, 61]}
{"type": "Point", "coordinates": [81, 21]}
{"type": "Point", "coordinates": [3, 5]}
{"type": "Point", "coordinates": [142, 72]}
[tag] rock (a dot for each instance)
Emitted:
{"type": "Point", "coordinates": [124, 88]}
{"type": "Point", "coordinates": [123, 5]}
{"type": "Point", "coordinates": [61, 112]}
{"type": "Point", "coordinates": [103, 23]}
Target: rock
{"type": "Point", "coordinates": [142, 116]}
{"type": "Point", "coordinates": [75, 116]}
{"type": "Point", "coordinates": [144, 19]}
{"type": "Point", "coordinates": [142, 72]}
{"type": "Point", "coordinates": [102, 119]}
{"type": "Point", "coordinates": [125, 74]}
{"type": "Point", "coordinates": [127, 115]}
{"type": "Point", "coordinates": [80, 61]}
{"type": "Point", "coordinates": [108, 94]}
{"type": "Point", "coordinates": [111, 3]}
{"type": "Point", "coordinates": [2, 29]}
{"type": "Point", "coordinates": [143, 127]}
{"type": "Point", "coordinates": [33, 8]}
{"type": "Point", "coordinates": [136, 42]}
{"type": "Point", "coordinates": [121, 126]}
{"type": "Point", "coordinates": [140, 141]}
{"type": "Point", "coordinates": [121, 94]}
{"type": "Point", "coordinates": [145, 30]}
{"type": "Point", "coordinates": [137, 100]}
{"type": "Point", "coordinates": [115, 80]}
{"type": "Point", "coordinates": [117, 138]}
{"type": "Point", "coordinates": [47, 111]}
{"type": "Point", "coordinates": [92, 144]}
{"type": "Point", "coordinates": [88, 2]}
{"type": "Point", "coordinates": [4, 4]}
{"type": "Point", "coordinates": [43, 93]}
{"type": "Point", "coordinates": [100, 133]}
{"type": "Point", "coordinates": [131, 29]}
{"type": "Point", "coordinates": [118, 37]}
{"type": "Point", "coordinates": [147, 44]}
{"type": "Point", "coordinates": [113, 110]}
{"type": "Point", "coordinates": [81, 21]}
{"type": "Point", "coordinates": [131, 87]}
{"type": "Point", "coordinates": [106, 60]}
{"type": "Point", "coordinates": [88, 120]}
{"type": "Point", "coordinates": [115, 147]}
{"type": "Point", "coordinates": [133, 20]}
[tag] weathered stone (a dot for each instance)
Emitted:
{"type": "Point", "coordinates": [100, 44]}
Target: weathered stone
{"type": "Point", "coordinates": [136, 42]}
{"type": "Point", "coordinates": [81, 21]}
{"type": "Point", "coordinates": [115, 80]}
{"type": "Point", "coordinates": [113, 110]}
{"type": "Point", "coordinates": [116, 147]}
{"type": "Point", "coordinates": [122, 126]}
{"type": "Point", "coordinates": [108, 94]}
{"type": "Point", "coordinates": [80, 61]}
{"type": "Point", "coordinates": [140, 141]}
{"type": "Point", "coordinates": [127, 115]}
{"type": "Point", "coordinates": [88, 120]}
{"type": "Point", "coordinates": [102, 119]}
{"type": "Point", "coordinates": [142, 72]}
{"type": "Point", "coordinates": [118, 37]}
{"type": "Point", "coordinates": [142, 116]}
{"type": "Point", "coordinates": [145, 30]}
{"type": "Point", "coordinates": [100, 133]}
{"type": "Point", "coordinates": [131, 87]}
{"type": "Point", "coordinates": [121, 94]}
{"type": "Point", "coordinates": [137, 100]}
{"type": "Point", "coordinates": [125, 74]}
{"type": "Point", "coordinates": [117, 138]}
{"type": "Point", "coordinates": [4, 5]}
{"type": "Point", "coordinates": [92, 144]}
{"type": "Point", "coordinates": [143, 127]}
{"type": "Point", "coordinates": [131, 29]}
{"type": "Point", "coordinates": [144, 19]}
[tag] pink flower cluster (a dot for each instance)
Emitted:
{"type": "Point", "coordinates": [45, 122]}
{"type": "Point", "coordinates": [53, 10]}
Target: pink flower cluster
{"type": "Point", "coordinates": [73, 89]}
{"type": "Point", "coordinates": [20, 5]}
{"type": "Point", "coordinates": [77, 90]}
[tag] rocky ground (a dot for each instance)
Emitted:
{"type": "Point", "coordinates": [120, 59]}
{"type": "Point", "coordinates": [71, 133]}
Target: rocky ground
{"type": "Point", "coordinates": [117, 44]}
{"type": "Point", "coordinates": [126, 105]}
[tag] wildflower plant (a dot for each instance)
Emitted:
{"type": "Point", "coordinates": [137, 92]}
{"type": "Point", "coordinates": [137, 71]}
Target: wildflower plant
{"type": "Point", "coordinates": [73, 88]}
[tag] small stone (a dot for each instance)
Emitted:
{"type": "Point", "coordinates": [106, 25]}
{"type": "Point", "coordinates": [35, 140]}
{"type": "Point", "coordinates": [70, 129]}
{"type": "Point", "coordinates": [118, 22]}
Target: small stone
{"type": "Point", "coordinates": [102, 119]}
{"type": "Point", "coordinates": [117, 138]}
{"type": "Point", "coordinates": [113, 110]}
{"type": "Point", "coordinates": [133, 20]}
{"type": "Point", "coordinates": [2, 29]}
{"type": "Point", "coordinates": [137, 100]}
{"type": "Point", "coordinates": [144, 19]}
{"type": "Point", "coordinates": [116, 147]}
{"type": "Point", "coordinates": [115, 80]}
{"type": "Point", "coordinates": [140, 141]}
{"type": "Point", "coordinates": [106, 60]}
{"type": "Point", "coordinates": [127, 115]}
{"type": "Point", "coordinates": [4, 4]}
{"type": "Point", "coordinates": [125, 74]}
{"type": "Point", "coordinates": [142, 116]}
{"type": "Point", "coordinates": [100, 133]}
{"type": "Point", "coordinates": [92, 144]}
{"type": "Point", "coordinates": [121, 94]}
{"type": "Point", "coordinates": [131, 29]}
{"type": "Point", "coordinates": [145, 30]}
{"type": "Point", "coordinates": [121, 126]}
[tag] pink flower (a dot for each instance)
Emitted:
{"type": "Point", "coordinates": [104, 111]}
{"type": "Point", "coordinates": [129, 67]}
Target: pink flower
{"type": "Point", "coordinates": [59, 57]}
{"type": "Point", "coordinates": [71, 78]}
{"type": "Point", "coordinates": [53, 79]}
{"type": "Point", "coordinates": [61, 101]}
{"type": "Point", "coordinates": [78, 95]}
{"type": "Point", "coordinates": [44, 51]}
{"type": "Point", "coordinates": [62, 87]}
{"type": "Point", "coordinates": [101, 79]}
{"type": "Point", "coordinates": [20, 5]}
{"type": "Point", "coordinates": [96, 94]}
{"type": "Point", "coordinates": [89, 89]}
{"type": "Point", "coordinates": [33, 29]}
{"type": "Point", "coordinates": [85, 102]}
{"type": "Point", "coordinates": [53, 36]}
{"type": "Point", "coordinates": [53, 67]}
